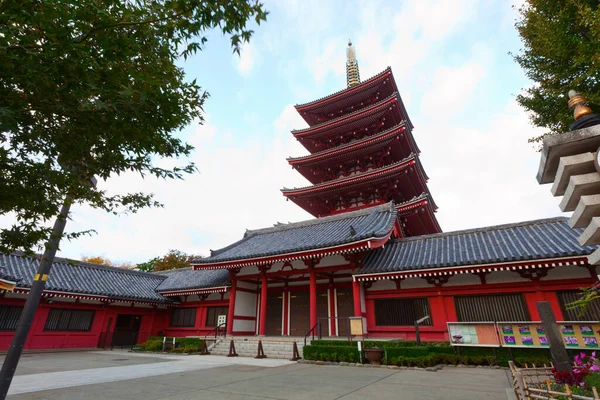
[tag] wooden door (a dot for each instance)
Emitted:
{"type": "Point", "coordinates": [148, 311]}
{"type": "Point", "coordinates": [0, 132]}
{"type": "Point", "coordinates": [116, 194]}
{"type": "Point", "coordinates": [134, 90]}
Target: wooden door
{"type": "Point", "coordinates": [345, 309]}
{"type": "Point", "coordinates": [299, 313]}
{"type": "Point", "coordinates": [274, 310]}
{"type": "Point", "coordinates": [323, 311]}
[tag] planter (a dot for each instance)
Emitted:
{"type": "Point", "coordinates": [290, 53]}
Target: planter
{"type": "Point", "coordinates": [374, 355]}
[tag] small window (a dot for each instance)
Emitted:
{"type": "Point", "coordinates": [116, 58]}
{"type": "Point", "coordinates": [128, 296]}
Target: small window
{"type": "Point", "coordinates": [592, 312]}
{"type": "Point", "coordinates": [9, 318]}
{"type": "Point", "coordinates": [184, 317]}
{"type": "Point", "coordinates": [213, 313]}
{"type": "Point", "coordinates": [63, 319]}
{"type": "Point", "coordinates": [402, 312]}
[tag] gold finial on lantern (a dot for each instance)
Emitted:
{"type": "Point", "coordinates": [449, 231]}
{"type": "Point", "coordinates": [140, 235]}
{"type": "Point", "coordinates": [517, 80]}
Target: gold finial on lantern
{"type": "Point", "coordinates": [578, 104]}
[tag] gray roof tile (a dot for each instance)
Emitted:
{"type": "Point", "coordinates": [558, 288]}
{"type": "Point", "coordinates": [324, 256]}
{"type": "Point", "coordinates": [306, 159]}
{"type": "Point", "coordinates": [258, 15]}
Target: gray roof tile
{"type": "Point", "coordinates": [85, 278]}
{"type": "Point", "coordinates": [523, 241]}
{"type": "Point", "coordinates": [187, 278]}
{"type": "Point", "coordinates": [339, 229]}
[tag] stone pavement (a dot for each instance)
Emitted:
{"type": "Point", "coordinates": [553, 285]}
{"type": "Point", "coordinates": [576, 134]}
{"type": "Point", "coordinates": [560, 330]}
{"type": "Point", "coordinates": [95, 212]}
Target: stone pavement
{"type": "Point", "coordinates": [121, 375]}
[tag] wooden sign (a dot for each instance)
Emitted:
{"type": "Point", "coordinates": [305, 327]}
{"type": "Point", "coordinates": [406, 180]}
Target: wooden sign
{"type": "Point", "coordinates": [356, 326]}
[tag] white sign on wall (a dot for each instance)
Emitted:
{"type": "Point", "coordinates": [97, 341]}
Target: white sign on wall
{"type": "Point", "coordinates": [221, 320]}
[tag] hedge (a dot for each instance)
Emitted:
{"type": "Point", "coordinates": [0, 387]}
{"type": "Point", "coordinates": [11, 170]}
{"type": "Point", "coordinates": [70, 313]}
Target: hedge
{"type": "Point", "coordinates": [379, 343]}
{"type": "Point", "coordinates": [331, 353]}
{"type": "Point", "coordinates": [425, 356]}
{"type": "Point", "coordinates": [182, 345]}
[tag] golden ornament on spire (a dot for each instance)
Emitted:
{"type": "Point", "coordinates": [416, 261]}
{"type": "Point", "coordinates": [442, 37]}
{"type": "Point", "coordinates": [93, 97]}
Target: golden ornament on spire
{"type": "Point", "coordinates": [578, 104]}
{"type": "Point", "coordinates": [352, 74]}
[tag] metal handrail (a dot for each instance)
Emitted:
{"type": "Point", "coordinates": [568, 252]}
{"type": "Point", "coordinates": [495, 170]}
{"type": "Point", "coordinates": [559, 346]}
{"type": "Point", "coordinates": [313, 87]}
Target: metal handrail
{"type": "Point", "coordinates": [215, 330]}
{"type": "Point", "coordinates": [336, 318]}
{"type": "Point", "coordinates": [312, 330]}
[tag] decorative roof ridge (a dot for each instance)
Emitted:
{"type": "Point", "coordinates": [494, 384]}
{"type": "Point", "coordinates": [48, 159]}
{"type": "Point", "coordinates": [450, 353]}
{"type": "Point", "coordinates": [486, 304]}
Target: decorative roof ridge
{"type": "Point", "coordinates": [322, 220]}
{"type": "Point", "coordinates": [168, 271]}
{"type": "Point", "coordinates": [361, 85]}
{"type": "Point", "coordinates": [422, 196]}
{"type": "Point", "coordinates": [351, 144]}
{"type": "Point", "coordinates": [412, 156]}
{"type": "Point", "coordinates": [77, 263]}
{"type": "Point", "coordinates": [541, 221]}
{"type": "Point", "coordinates": [333, 121]}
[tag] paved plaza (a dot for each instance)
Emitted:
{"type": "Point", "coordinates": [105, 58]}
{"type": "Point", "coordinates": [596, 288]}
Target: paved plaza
{"type": "Point", "coordinates": [121, 375]}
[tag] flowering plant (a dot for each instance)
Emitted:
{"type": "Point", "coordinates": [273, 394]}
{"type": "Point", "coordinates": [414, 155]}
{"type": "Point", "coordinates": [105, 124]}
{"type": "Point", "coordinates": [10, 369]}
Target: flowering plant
{"type": "Point", "coordinates": [584, 365]}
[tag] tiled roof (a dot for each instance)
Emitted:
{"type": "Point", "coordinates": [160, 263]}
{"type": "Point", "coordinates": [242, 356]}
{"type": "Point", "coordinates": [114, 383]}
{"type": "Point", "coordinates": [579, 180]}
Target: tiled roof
{"type": "Point", "coordinates": [523, 241]}
{"type": "Point", "coordinates": [85, 278]}
{"type": "Point", "coordinates": [187, 278]}
{"type": "Point", "coordinates": [350, 89]}
{"type": "Point", "coordinates": [374, 222]}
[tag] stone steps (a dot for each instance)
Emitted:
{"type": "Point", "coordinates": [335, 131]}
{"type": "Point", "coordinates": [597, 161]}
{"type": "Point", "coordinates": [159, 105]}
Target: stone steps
{"type": "Point", "coordinates": [249, 348]}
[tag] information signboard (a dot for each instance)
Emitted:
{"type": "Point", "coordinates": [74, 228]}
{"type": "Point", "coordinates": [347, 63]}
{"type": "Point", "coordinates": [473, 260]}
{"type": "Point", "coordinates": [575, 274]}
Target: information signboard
{"type": "Point", "coordinates": [476, 334]}
{"type": "Point", "coordinates": [576, 335]}
{"type": "Point", "coordinates": [356, 326]}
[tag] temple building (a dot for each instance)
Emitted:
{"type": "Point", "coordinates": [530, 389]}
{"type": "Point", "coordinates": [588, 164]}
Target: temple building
{"type": "Point", "coordinates": [374, 250]}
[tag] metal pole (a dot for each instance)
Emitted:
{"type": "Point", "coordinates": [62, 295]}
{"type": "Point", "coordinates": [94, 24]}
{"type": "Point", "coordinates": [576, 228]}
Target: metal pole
{"type": "Point", "coordinates": [33, 300]}
{"type": "Point", "coordinates": [417, 334]}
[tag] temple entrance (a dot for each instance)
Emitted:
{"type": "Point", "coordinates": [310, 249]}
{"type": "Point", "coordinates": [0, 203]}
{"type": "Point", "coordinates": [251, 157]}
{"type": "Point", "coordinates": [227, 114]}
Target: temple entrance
{"type": "Point", "coordinates": [299, 313]}
{"type": "Point", "coordinates": [345, 309]}
{"type": "Point", "coordinates": [274, 314]}
{"type": "Point", "coordinates": [127, 329]}
{"type": "Point", "coordinates": [323, 311]}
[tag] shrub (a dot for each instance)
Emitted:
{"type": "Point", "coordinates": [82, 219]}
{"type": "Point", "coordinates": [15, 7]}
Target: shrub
{"type": "Point", "coordinates": [178, 350]}
{"type": "Point", "coordinates": [330, 353]}
{"type": "Point", "coordinates": [151, 345]}
{"type": "Point", "coordinates": [185, 342]}
{"type": "Point", "coordinates": [191, 349]}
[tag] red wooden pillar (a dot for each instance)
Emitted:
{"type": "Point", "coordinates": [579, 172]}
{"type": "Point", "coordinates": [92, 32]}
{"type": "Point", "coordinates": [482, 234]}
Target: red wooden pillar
{"type": "Point", "coordinates": [262, 327]}
{"type": "Point", "coordinates": [231, 310]}
{"type": "Point", "coordinates": [332, 312]}
{"type": "Point", "coordinates": [313, 297]}
{"type": "Point", "coordinates": [356, 298]}
{"type": "Point", "coordinates": [286, 306]}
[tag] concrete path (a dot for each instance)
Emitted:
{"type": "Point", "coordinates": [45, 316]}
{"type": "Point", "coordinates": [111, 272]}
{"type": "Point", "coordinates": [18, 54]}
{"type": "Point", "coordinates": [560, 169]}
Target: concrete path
{"type": "Point", "coordinates": [141, 366]}
{"type": "Point", "coordinates": [149, 377]}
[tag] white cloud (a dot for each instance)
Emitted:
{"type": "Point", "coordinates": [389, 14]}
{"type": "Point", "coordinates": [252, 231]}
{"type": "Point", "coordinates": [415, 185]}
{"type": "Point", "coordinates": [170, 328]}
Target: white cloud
{"type": "Point", "coordinates": [247, 59]}
{"type": "Point", "coordinates": [237, 188]}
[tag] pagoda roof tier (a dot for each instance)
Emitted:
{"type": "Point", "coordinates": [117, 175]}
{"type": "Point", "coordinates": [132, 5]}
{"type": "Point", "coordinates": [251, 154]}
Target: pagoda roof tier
{"type": "Point", "coordinates": [382, 115]}
{"type": "Point", "coordinates": [351, 99]}
{"type": "Point", "coordinates": [346, 233]}
{"type": "Point", "coordinates": [388, 146]}
{"type": "Point", "coordinates": [392, 182]}
{"type": "Point", "coordinates": [417, 216]}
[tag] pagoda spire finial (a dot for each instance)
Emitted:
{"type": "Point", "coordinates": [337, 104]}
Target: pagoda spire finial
{"type": "Point", "coordinates": [352, 74]}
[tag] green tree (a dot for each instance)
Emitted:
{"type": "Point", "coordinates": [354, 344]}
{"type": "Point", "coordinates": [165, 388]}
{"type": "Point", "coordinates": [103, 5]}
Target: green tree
{"type": "Point", "coordinates": [92, 89]}
{"type": "Point", "coordinates": [148, 266]}
{"type": "Point", "coordinates": [561, 51]}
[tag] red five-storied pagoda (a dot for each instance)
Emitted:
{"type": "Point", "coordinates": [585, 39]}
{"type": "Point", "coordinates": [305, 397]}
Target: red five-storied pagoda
{"type": "Point", "coordinates": [362, 153]}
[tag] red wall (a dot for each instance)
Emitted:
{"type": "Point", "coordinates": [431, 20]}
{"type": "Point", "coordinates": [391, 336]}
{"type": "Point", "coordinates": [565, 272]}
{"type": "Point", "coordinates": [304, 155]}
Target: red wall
{"type": "Point", "coordinates": [39, 339]}
{"type": "Point", "coordinates": [441, 304]}
{"type": "Point", "coordinates": [200, 328]}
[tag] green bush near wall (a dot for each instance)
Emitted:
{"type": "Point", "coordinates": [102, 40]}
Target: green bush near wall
{"type": "Point", "coordinates": [182, 345]}
{"type": "Point", "coordinates": [406, 353]}
{"type": "Point", "coordinates": [331, 353]}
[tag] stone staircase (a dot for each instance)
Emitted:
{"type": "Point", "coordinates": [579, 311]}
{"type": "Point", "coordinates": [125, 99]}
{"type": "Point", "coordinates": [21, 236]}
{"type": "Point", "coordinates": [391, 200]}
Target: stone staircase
{"type": "Point", "coordinates": [248, 347]}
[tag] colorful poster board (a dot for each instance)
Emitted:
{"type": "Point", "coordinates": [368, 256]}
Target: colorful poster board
{"type": "Point", "coordinates": [576, 335]}
{"type": "Point", "coordinates": [522, 334]}
{"type": "Point", "coordinates": [481, 334]}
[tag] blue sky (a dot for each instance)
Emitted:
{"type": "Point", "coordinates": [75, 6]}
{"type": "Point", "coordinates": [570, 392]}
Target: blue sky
{"type": "Point", "coordinates": [451, 63]}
